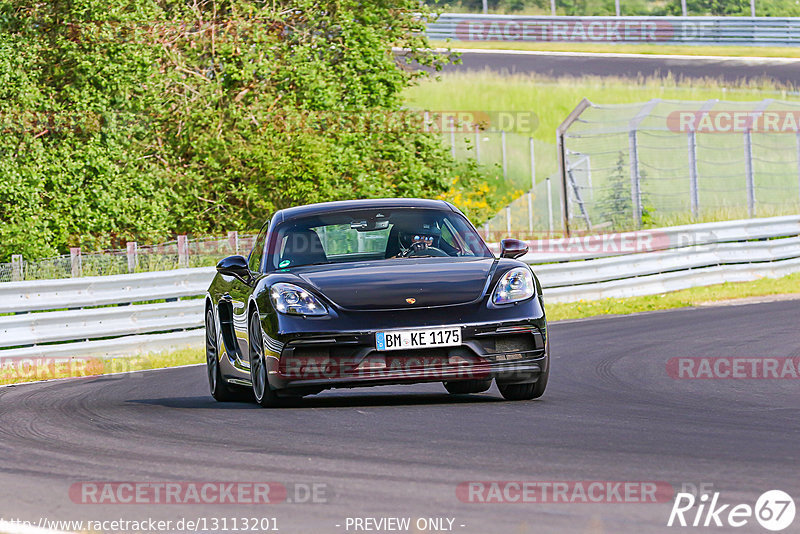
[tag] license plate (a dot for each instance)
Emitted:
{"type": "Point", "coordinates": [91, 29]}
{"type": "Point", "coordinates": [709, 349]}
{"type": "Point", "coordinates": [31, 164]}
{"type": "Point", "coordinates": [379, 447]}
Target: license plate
{"type": "Point", "coordinates": [418, 339]}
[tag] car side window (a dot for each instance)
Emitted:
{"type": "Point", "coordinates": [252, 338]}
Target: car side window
{"type": "Point", "coordinates": [256, 255]}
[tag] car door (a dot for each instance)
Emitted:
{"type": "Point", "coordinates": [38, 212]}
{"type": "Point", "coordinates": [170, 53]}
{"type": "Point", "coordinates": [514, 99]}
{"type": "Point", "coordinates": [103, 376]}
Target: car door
{"type": "Point", "coordinates": [240, 291]}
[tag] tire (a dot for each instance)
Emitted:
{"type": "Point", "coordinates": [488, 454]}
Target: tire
{"type": "Point", "coordinates": [531, 390]}
{"type": "Point", "coordinates": [220, 389]}
{"type": "Point", "coordinates": [264, 395]}
{"type": "Point", "coordinates": [465, 387]}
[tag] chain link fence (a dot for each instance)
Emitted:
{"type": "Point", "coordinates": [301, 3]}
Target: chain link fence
{"type": "Point", "coordinates": [662, 163]}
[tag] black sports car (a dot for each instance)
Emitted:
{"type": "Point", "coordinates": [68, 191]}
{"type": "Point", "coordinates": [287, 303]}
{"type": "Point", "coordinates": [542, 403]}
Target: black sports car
{"type": "Point", "coordinates": [374, 292]}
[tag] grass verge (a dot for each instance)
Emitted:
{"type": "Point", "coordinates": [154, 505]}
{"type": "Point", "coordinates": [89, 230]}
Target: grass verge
{"type": "Point", "coordinates": [695, 296]}
{"type": "Point", "coordinates": [33, 369]}
{"type": "Point", "coordinates": [655, 49]}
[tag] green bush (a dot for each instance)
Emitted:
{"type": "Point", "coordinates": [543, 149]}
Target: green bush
{"type": "Point", "coordinates": [143, 119]}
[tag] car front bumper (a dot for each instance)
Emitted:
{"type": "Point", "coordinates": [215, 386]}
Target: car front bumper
{"type": "Point", "coordinates": [509, 351]}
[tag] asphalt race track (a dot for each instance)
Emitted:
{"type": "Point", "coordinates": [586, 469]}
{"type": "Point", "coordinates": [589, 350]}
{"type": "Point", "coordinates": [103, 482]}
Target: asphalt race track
{"type": "Point", "coordinates": [555, 64]}
{"type": "Point", "coordinates": [611, 413]}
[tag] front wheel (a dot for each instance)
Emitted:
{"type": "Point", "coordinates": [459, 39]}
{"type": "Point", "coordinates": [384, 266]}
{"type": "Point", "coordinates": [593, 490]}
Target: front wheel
{"type": "Point", "coordinates": [531, 390]}
{"type": "Point", "coordinates": [528, 391]}
{"type": "Point", "coordinates": [219, 388]}
{"type": "Point", "coordinates": [264, 395]}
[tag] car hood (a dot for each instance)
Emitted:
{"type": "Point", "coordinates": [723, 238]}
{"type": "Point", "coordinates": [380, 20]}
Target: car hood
{"type": "Point", "coordinates": [391, 283]}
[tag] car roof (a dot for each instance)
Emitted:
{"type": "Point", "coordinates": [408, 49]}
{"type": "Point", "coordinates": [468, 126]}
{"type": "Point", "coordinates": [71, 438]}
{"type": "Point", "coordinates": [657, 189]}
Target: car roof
{"type": "Point", "coordinates": [343, 205]}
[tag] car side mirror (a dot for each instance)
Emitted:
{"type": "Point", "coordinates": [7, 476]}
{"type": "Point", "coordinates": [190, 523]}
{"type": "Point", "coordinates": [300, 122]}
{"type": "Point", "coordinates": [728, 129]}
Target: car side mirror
{"type": "Point", "coordinates": [234, 266]}
{"type": "Point", "coordinates": [513, 248]}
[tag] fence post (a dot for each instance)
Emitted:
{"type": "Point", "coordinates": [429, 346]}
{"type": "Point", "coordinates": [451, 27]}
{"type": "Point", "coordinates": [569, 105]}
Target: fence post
{"type": "Point", "coordinates": [683, 7]}
{"type": "Point", "coordinates": [233, 241]}
{"type": "Point", "coordinates": [530, 211]}
{"type": "Point", "coordinates": [453, 137]}
{"type": "Point", "coordinates": [549, 207]}
{"type": "Point", "coordinates": [553, 7]}
{"type": "Point", "coordinates": [533, 165]}
{"type": "Point", "coordinates": [477, 144]}
{"type": "Point", "coordinates": [486, 231]}
{"type": "Point", "coordinates": [693, 185]}
{"type": "Point", "coordinates": [636, 196]}
{"type": "Point", "coordinates": [748, 169]}
{"type": "Point", "coordinates": [16, 268]}
{"type": "Point", "coordinates": [503, 146]}
{"type": "Point", "coordinates": [562, 159]}
{"type": "Point", "coordinates": [616, 7]}
{"type": "Point", "coordinates": [132, 252]}
{"type": "Point", "coordinates": [75, 262]}
{"type": "Point", "coordinates": [183, 251]}
{"type": "Point", "coordinates": [508, 220]}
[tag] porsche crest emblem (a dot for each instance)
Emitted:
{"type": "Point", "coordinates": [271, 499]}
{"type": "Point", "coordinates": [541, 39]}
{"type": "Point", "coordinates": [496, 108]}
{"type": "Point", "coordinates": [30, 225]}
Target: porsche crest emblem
{"type": "Point", "coordinates": [411, 301]}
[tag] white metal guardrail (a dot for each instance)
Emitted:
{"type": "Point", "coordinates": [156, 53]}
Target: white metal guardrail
{"type": "Point", "coordinates": [36, 295]}
{"type": "Point", "coordinates": [580, 267]}
{"type": "Point", "coordinates": [759, 31]}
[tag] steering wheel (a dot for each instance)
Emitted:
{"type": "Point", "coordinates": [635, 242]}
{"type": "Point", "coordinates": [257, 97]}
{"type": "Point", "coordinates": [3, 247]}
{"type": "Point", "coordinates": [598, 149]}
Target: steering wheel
{"type": "Point", "coordinates": [420, 249]}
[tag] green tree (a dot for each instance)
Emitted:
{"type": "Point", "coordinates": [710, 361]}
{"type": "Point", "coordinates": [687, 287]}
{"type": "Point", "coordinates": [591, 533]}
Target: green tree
{"type": "Point", "coordinates": [200, 117]}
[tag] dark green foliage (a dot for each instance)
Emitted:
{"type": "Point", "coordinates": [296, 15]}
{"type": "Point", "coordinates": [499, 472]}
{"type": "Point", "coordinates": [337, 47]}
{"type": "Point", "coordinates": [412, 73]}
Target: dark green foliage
{"type": "Point", "coordinates": [145, 118]}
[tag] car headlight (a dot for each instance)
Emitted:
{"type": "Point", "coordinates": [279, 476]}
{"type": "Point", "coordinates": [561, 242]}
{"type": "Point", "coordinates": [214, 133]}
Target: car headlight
{"type": "Point", "coordinates": [516, 285]}
{"type": "Point", "coordinates": [294, 300]}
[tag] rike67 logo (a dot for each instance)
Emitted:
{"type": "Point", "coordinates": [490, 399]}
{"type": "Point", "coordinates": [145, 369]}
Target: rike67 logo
{"type": "Point", "coordinates": [774, 510]}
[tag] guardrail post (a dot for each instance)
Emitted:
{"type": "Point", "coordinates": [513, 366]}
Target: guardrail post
{"type": "Point", "coordinates": [616, 7]}
{"type": "Point", "coordinates": [553, 7]}
{"type": "Point", "coordinates": [477, 144]}
{"type": "Point", "coordinates": [683, 7]}
{"type": "Point", "coordinates": [132, 251]}
{"type": "Point", "coordinates": [183, 251]}
{"type": "Point", "coordinates": [748, 169]}
{"type": "Point", "coordinates": [636, 196]}
{"type": "Point", "coordinates": [16, 268]}
{"type": "Point", "coordinates": [75, 262]}
{"type": "Point", "coordinates": [693, 185]}
{"type": "Point", "coordinates": [503, 146]}
{"type": "Point", "coordinates": [233, 241]}
{"type": "Point", "coordinates": [508, 220]}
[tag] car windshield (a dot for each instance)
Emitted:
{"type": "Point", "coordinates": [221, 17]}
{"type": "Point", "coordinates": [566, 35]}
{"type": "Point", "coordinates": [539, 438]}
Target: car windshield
{"type": "Point", "coordinates": [371, 235]}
